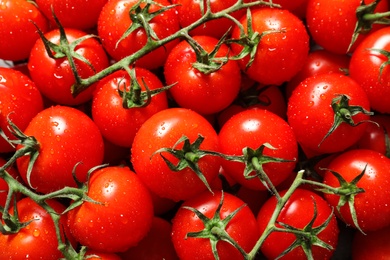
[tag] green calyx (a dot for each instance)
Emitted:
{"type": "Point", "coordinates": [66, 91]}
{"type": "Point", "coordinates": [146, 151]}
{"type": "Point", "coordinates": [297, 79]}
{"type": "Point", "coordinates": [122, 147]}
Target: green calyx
{"type": "Point", "coordinates": [141, 16]}
{"type": "Point", "coordinates": [12, 224]}
{"type": "Point", "coordinates": [250, 40]}
{"type": "Point", "coordinates": [343, 113]}
{"type": "Point", "coordinates": [347, 192]}
{"type": "Point", "coordinates": [29, 147]}
{"type": "Point", "coordinates": [188, 156]}
{"type": "Point", "coordinates": [306, 237]}
{"type": "Point", "coordinates": [384, 64]}
{"type": "Point", "coordinates": [67, 50]}
{"type": "Point", "coordinates": [215, 228]}
{"type": "Point", "coordinates": [207, 62]}
{"type": "Point", "coordinates": [366, 18]}
{"type": "Point", "coordinates": [254, 159]}
{"type": "Point", "coordinates": [135, 97]}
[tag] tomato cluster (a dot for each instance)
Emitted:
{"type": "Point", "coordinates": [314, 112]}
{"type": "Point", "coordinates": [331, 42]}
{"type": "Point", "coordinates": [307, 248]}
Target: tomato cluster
{"type": "Point", "coordinates": [185, 129]}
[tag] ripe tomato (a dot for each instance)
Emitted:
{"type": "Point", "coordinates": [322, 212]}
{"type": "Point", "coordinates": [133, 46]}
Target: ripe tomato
{"type": "Point", "coordinates": [253, 128]}
{"type": "Point", "coordinates": [54, 77]}
{"type": "Point", "coordinates": [242, 228]}
{"type": "Point", "coordinates": [375, 138]}
{"type": "Point", "coordinates": [331, 23]}
{"type": "Point", "coordinates": [298, 212]}
{"type": "Point", "coordinates": [205, 93]}
{"type": "Point", "coordinates": [116, 123]}
{"type": "Point", "coordinates": [368, 67]}
{"type": "Point", "coordinates": [287, 38]}
{"type": "Point", "coordinates": [17, 32]}
{"type": "Point", "coordinates": [38, 239]}
{"type": "Point", "coordinates": [371, 206]}
{"type": "Point", "coordinates": [20, 100]}
{"type": "Point", "coordinates": [114, 20]}
{"type": "Point", "coordinates": [189, 11]}
{"type": "Point", "coordinates": [124, 217]}
{"type": "Point", "coordinates": [373, 245]}
{"type": "Point", "coordinates": [270, 98]}
{"type": "Point", "coordinates": [318, 62]}
{"type": "Point", "coordinates": [158, 239]}
{"type": "Point", "coordinates": [163, 130]}
{"type": "Point", "coordinates": [311, 116]}
{"type": "Point", "coordinates": [69, 12]}
{"type": "Point", "coordinates": [65, 137]}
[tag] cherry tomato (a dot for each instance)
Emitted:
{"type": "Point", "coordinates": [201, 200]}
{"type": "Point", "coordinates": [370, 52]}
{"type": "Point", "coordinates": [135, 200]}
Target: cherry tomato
{"type": "Point", "coordinates": [37, 235]}
{"type": "Point", "coordinates": [298, 212]}
{"type": "Point", "coordinates": [253, 128]}
{"type": "Point", "coordinates": [205, 93]}
{"type": "Point", "coordinates": [163, 130]}
{"type": "Point", "coordinates": [117, 123]}
{"type": "Point", "coordinates": [371, 206]}
{"type": "Point", "coordinates": [185, 221]}
{"type": "Point", "coordinates": [368, 68]}
{"type": "Point", "coordinates": [114, 20]}
{"type": "Point", "coordinates": [311, 116]}
{"type": "Point", "coordinates": [54, 77]}
{"type": "Point", "coordinates": [20, 101]}
{"type": "Point", "coordinates": [65, 137]}
{"type": "Point", "coordinates": [17, 32]}
{"type": "Point", "coordinates": [122, 219]}
{"type": "Point", "coordinates": [375, 137]}
{"type": "Point", "coordinates": [331, 23]}
{"type": "Point", "coordinates": [286, 37]}
{"type": "Point", "coordinates": [69, 12]}
{"type": "Point", "coordinates": [319, 62]}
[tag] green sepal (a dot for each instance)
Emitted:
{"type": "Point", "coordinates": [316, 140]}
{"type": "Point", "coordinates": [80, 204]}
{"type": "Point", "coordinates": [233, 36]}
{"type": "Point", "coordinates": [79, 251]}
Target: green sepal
{"type": "Point", "coordinates": [306, 237]}
{"type": "Point", "coordinates": [343, 113]}
{"type": "Point", "coordinates": [208, 63]}
{"type": "Point", "coordinates": [366, 18]}
{"type": "Point", "coordinates": [12, 224]}
{"type": "Point", "coordinates": [66, 50]}
{"type": "Point", "coordinates": [384, 64]}
{"type": "Point", "coordinates": [250, 40]}
{"type": "Point", "coordinates": [215, 228]}
{"type": "Point", "coordinates": [141, 17]}
{"type": "Point", "coordinates": [254, 159]}
{"type": "Point", "coordinates": [188, 156]}
{"type": "Point", "coordinates": [30, 147]}
{"type": "Point", "coordinates": [135, 97]}
{"type": "Point", "coordinates": [347, 192]}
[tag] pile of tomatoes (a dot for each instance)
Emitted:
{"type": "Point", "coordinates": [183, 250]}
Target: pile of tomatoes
{"type": "Point", "coordinates": [183, 129]}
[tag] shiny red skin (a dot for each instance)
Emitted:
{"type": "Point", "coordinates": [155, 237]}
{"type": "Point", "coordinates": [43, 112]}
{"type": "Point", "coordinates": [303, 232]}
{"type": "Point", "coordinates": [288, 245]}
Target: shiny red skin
{"type": "Point", "coordinates": [66, 137]}
{"type": "Point", "coordinates": [20, 100]}
{"type": "Point", "coordinates": [116, 123]}
{"type": "Point", "coordinates": [253, 128]}
{"type": "Point", "coordinates": [124, 217]}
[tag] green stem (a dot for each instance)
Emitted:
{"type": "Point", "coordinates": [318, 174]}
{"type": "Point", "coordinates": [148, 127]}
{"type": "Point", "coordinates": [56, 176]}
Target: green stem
{"type": "Point", "coordinates": [279, 206]}
{"type": "Point", "coordinates": [154, 44]}
{"type": "Point", "coordinates": [376, 16]}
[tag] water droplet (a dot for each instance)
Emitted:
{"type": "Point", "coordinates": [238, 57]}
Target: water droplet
{"type": "Point", "coordinates": [323, 96]}
{"type": "Point", "coordinates": [55, 123]}
{"type": "Point", "coordinates": [311, 103]}
{"type": "Point", "coordinates": [58, 76]}
{"type": "Point", "coordinates": [36, 233]}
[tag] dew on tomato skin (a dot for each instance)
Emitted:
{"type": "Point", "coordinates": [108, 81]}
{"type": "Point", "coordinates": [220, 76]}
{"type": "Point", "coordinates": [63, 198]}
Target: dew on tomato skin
{"type": "Point", "coordinates": [36, 233]}
{"type": "Point", "coordinates": [311, 103]}
{"type": "Point", "coordinates": [323, 96]}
